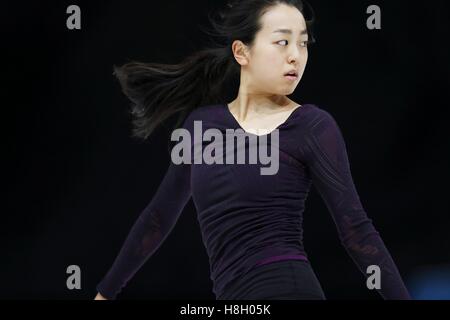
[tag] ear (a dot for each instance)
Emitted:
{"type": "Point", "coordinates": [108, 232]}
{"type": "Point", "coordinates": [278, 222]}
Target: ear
{"type": "Point", "coordinates": [240, 52]}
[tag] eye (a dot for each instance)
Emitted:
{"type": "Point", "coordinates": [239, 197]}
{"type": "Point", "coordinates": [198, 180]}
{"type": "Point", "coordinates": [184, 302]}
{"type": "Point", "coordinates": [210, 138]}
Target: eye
{"type": "Point", "coordinates": [306, 43]}
{"type": "Point", "coordinates": [302, 43]}
{"type": "Point", "coordinates": [281, 41]}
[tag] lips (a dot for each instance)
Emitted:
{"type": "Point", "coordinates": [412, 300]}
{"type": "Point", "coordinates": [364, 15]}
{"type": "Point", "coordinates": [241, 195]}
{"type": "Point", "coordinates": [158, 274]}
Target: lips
{"type": "Point", "coordinates": [291, 78]}
{"type": "Point", "coordinates": [292, 73]}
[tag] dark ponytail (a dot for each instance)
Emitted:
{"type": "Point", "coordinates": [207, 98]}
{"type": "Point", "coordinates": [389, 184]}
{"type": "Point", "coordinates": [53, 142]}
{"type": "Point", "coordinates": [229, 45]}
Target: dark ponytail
{"type": "Point", "coordinates": [160, 91]}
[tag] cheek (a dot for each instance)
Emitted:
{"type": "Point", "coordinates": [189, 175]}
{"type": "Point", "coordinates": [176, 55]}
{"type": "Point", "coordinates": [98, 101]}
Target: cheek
{"type": "Point", "coordinates": [269, 64]}
{"type": "Point", "coordinates": [275, 58]}
{"type": "Point", "coordinates": [265, 53]}
{"type": "Point", "coordinates": [305, 56]}
{"type": "Point", "coordinates": [272, 54]}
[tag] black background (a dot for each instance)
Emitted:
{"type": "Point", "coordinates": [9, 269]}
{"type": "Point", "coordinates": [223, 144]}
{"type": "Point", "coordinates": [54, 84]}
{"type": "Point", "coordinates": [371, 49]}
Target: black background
{"type": "Point", "coordinates": [75, 181]}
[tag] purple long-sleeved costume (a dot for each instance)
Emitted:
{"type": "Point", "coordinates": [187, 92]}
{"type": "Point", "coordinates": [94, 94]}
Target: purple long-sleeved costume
{"type": "Point", "coordinates": [249, 219]}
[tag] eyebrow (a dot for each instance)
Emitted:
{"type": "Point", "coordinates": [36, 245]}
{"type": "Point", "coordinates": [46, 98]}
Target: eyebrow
{"type": "Point", "coordinates": [289, 31]}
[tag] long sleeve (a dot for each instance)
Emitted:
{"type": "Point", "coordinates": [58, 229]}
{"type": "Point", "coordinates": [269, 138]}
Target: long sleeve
{"type": "Point", "coordinates": [325, 154]}
{"type": "Point", "coordinates": [151, 228]}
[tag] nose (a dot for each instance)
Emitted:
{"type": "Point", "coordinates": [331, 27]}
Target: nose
{"type": "Point", "coordinates": [294, 55]}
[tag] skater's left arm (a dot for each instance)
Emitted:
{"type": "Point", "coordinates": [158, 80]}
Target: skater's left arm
{"type": "Point", "coordinates": [324, 151]}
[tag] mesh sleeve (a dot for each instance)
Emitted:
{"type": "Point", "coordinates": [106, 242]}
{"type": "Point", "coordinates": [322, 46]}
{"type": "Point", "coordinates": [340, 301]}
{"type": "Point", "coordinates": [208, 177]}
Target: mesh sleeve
{"type": "Point", "coordinates": [150, 229]}
{"type": "Point", "coordinates": [325, 154]}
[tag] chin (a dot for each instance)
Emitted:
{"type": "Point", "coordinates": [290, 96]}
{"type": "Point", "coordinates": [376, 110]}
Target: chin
{"type": "Point", "coordinates": [290, 90]}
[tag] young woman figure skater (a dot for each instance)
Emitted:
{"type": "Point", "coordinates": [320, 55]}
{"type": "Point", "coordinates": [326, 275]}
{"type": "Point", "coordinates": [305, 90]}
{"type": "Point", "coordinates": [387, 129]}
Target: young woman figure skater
{"type": "Point", "coordinates": [251, 224]}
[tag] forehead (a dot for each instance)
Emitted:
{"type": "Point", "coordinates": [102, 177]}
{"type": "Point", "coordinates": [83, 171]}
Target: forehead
{"type": "Point", "coordinates": [282, 17]}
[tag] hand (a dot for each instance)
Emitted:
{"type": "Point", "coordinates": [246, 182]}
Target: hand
{"type": "Point", "coordinates": [100, 297]}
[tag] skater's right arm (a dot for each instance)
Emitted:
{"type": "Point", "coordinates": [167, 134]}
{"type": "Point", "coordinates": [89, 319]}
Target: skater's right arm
{"type": "Point", "coordinates": [151, 227]}
{"type": "Point", "coordinates": [100, 297]}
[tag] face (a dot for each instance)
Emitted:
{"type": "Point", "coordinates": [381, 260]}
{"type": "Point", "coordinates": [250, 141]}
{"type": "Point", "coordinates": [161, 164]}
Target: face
{"type": "Point", "coordinates": [279, 47]}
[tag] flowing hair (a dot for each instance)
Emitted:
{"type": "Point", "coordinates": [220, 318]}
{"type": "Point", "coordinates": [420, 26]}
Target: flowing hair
{"type": "Point", "coordinates": [159, 91]}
